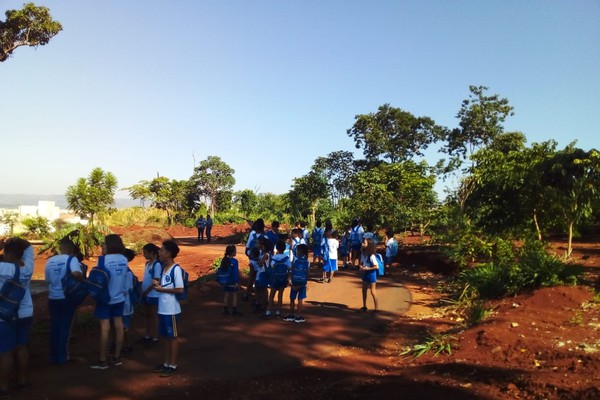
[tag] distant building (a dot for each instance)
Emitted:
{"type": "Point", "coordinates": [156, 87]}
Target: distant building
{"type": "Point", "coordinates": [46, 209]}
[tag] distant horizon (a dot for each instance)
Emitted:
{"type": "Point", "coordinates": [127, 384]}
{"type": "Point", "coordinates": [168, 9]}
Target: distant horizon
{"type": "Point", "coordinates": [14, 200]}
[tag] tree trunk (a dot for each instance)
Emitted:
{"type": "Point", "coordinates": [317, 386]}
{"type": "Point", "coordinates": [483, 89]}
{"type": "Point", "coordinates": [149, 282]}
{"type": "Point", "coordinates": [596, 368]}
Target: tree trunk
{"type": "Point", "coordinates": [537, 226]}
{"type": "Point", "coordinates": [570, 246]}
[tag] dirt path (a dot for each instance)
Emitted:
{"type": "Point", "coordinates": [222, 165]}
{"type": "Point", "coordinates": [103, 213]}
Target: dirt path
{"type": "Point", "coordinates": [215, 347]}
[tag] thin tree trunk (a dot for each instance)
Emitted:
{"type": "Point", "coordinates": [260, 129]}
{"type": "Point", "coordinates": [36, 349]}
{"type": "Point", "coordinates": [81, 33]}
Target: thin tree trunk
{"type": "Point", "coordinates": [570, 246]}
{"type": "Point", "coordinates": [537, 226]}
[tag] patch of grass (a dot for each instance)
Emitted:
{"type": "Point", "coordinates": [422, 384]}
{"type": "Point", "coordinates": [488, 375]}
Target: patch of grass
{"type": "Point", "coordinates": [577, 319]}
{"type": "Point", "coordinates": [478, 313]}
{"type": "Point", "coordinates": [439, 343]}
{"type": "Point", "coordinates": [216, 264]}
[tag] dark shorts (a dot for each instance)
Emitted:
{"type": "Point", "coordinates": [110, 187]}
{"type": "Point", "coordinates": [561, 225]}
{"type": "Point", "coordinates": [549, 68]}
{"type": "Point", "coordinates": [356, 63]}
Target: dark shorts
{"type": "Point", "coordinates": [108, 311]}
{"type": "Point", "coordinates": [8, 336]}
{"type": "Point", "coordinates": [231, 289]}
{"type": "Point", "coordinates": [167, 325]}
{"type": "Point", "coordinates": [370, 277]}
{"type": "Point", "coordinates": [24, 330]}
{"type": "Point", "coordinates": [300, 294]}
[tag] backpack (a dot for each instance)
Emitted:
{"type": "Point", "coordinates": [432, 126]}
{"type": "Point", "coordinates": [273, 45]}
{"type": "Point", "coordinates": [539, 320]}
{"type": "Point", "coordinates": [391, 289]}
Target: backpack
{"type": "Point", "coordinates": [355, 236]}
{"type": "Point", "coordinates": [380, 264]}
{"type": "Point", "coordinates": [224, 275]}
{"type": "Point", "coordinates": [295, 243]}
{"type": "Point", "coordinates": [151, 270]}
{"type": "Point", "coordinates": [394, 248]}
{"type": "Point", "coordinates": [279, 273]}
{"type": "Point", "coordinates": [97, 282]}
{"type": "Point", "coordinates": [299, 272]}
{"type": "Point", "coordinates": [317, 236]}
{"type": "Point", "coordinates": [74, 290]}
{"type": "Point", "coordinates": [185, 276]}
{"type": "Point", "coordinates": [135, 294]}
{"type": "Point", "coordinates": [253, 243]}
{"type": "Point", "coordinates": [272, 236]}
{"type": "Point", "coordinates": [325, 251]}
{"type": "Point", "coordinates": [11, 294]}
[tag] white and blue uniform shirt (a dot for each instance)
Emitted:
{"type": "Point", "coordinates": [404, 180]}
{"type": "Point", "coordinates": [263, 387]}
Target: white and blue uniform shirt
{"type": "Point", "coordinates": [25, 274]}
{"type": "Point", "coordinates": [56, 268]}
{"type": "Point", "coordinates": [167, 302]}
{"type": "Point", "coordinates": [127, 306]}
{"type": "Point", "coordinates": [116, 264]}
{"type": "Point", "coordinates": [152, 271]}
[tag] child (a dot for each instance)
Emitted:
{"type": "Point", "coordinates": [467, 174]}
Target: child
{"type": "Point", "coordinates": [273, 234]}
{"type": "Point", "coordinates": [169, 310]}
{"type": "Point", "coordinates": [200, 226]}
{"type": "Point", "coordinates": [116, 264]}
{"type": "Point", "coordinates": [304, 232]}
{"type": "Point", "coordinates": [14, 335]}
{"type": "Point", "coordinates": [279, 269]}
{"type": "Point", "coordinates": [127, 306]}
{"type": "Point", "coordinates": [61, 309]}
{"type": "Point", "coordinates": [296, 240]}
{"type": "Point", "coordinates": [261, 284]}
{"type": "Point", "coordinates": [298, 280]}
{"type": "Point", "coordinates": [152, 271]}
{"type": "Point", "coordinates": [330, 249]}
{"type": "Point", "coordinates": [258, 231]}
{"type": "Point", "coordinates": [317, 238]}
{"type": "Point", "coordinates": [391, 250]}
{"type": "Point", "coordinates": [369, 267]}
{"type": "Point", "coordinates": [230, 263]}
{"type": "Point", "coordinates": [356, 240]}
{"type": "Point", "coordinates": [343, 249]}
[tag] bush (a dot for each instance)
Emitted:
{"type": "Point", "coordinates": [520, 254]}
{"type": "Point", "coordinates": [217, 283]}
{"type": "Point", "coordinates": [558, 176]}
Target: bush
{"type": "Point", "coordinates": [136, 216]}
{"type": "Point", "coordinates": [85, 237]}
{"type": "Point", "coordinates": [37, 226]}
{"type": "Point", "coordinates": [515, 269]}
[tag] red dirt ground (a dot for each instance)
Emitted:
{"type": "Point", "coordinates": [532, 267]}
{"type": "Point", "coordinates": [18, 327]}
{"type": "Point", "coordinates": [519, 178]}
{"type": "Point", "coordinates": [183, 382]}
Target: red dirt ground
{"type": "Point", "coordinates": [542, 345]}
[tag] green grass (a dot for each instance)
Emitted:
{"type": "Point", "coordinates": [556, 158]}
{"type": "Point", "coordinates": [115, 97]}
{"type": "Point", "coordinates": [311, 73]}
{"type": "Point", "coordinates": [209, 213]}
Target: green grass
{"type": "Point", "coordinates": [438, 343]}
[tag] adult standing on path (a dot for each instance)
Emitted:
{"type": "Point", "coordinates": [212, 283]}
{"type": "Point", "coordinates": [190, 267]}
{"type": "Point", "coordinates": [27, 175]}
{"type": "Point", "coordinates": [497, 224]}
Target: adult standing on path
{"type": "Point", "coordinates": [200, 225]}
{"type": "Point", "coordinates": [209, 224]}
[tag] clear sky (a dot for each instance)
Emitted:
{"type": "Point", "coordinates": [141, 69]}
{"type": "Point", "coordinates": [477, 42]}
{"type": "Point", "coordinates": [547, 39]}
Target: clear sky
{"type": "Point", "coordinates": [146, 87]}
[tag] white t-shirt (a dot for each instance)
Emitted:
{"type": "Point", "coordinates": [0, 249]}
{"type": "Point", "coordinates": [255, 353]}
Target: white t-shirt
{"type": "Point", "coordinates": [116, 264]}
{"type": "Point", "coordinates": [149, 277]}
{"type": "Point", "coordinates": [25, 274]}
{"type": "Point", "coordinates": [333, 245]}
{"type": "Point", "coordinates": [56, 269]}
{"type": "Point", "coordinates": [388, 247]}
{"type": "Point", "coordinates": [295, 243]}
{"type": "Point", "coordinates": [167, 302]}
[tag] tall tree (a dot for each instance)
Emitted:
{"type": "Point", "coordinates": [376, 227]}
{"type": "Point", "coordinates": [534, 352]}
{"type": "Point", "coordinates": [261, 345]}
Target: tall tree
{"type": "Point", "coordinates": [393, 134]}
{"type": "Point", "coordinates": [338, 168]}
{"type": "Point", "coordinates": [306, 194]}
{"type": "Point", "coordinates": [481, 117]}
{"type": "Point", "coordinates": [211, 177]}
{"type": "Point", "coordinates": [92, 195]}
{"type": "Point", "coordinates": [164, 194]}
{"type": "Point", "coordinates": [31, 26]}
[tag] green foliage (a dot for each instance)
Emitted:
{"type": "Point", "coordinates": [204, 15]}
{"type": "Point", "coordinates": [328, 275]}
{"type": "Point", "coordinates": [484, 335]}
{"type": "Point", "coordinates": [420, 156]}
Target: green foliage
{"type": "Point", "coordinates": [136, 216]}
{"type": "Point", "coordinates": [9, 219]}
{"type": "Point", "coordinates": [92, 195]}
{"type": "Point", "coordinates": [439, 343]}
{"type": "Point", "coordinates": [464, 246]}
{"type": "Point", "coordinates": [216, 264]}
{"type": "Point", "coordinates": [510, 272]}
{"type": "Point", "coordinates": [31, 26]}
{"type": "Point", "coordinates": [211, 177]}
{"type": "Point", "coordinates": [37, 226]}
{"type": "Point", "coordinates": [164, 194]}
{"type": "Point", "coordinates": [478, 313]}
{"type": "Point", "coordinates": [86, 237]}
{"type": "Point", "coordinates": [228, 217]}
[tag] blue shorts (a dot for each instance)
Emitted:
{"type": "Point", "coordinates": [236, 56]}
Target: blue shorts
{"type": "Point", "coordinates": [389, 260]}
{"type": "Point", "coordinates": [108, 311]}
{"type": "Point", "coordinates": [343, 251]}
{"type": "Point", "coordinates": [230, 289]}
{"type": "Point", "coordinates": [330, 266]}
{"type": "Point", "coordinates": [356, 247]}
{"type": "Point", "coordinates": [150, 300]}
{"type": "Point", "coordinates": [300, 293]}
{"type": "Point", "coordinates": [279, 287]}
{"type": "Point", "coordinates": [8, 336]}
{"type": "Point", "coordinates": [24, 330]}
{"type": "Point", "coordinates": [370, 277]}
{"type": "Point", "coordinates": [167, 325]}
{"type": "Point", "coordinates": [317, 251]}
{"type": "Point", "coordinates": [126, 321]}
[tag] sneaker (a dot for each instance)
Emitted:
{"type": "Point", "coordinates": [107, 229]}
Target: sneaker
{"type": "Point", "coordinates": [99, 365]}
{"type": "Point", "coordinates": [277, 314]}
{"type": "Point", "coordinates": [363, 309]}
{"type": "Point", "coordinates": [127, 350]}
{"type": "Point", "coordinates": [329, 280]}
{"type": "Point", "coordinates": [289, 318]}
{"type": "Point", "coordinates": [236, 313]}
{"type": "Point", "coordinates": [116, 361]}
{"type": "Point", "coordinates": [299, 319]}
{"type": "Point", "coordinates": [321, 280]}
{"type": "Point", "coordinates": [167, 371]}
{"type": "Point", "coordinates": [266, 315]}
{"type": "Point", "coordinates": [225, 312]}
{"type": "Point", "coordinates": [159, 368]}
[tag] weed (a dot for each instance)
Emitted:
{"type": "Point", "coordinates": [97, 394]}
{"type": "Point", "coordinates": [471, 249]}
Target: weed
{"type": "Point", "coordinates": [439, 343]}
{"type": "Point", "coordinates": [577, 319]}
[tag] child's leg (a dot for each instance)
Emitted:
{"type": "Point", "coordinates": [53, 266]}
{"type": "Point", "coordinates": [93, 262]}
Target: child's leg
{"type": "Point", "coordinates": [6, 364]}
{"type": "Point", "coordinates": [292, 305]}
{"type": "Point", "coordinates": [280, 299]}
{"type": "Point", "coordinates": [300, 301]}
{"type": "Point", "coordinates": [364, 293]}
{"type": "Point", "coordinates": [270, 304]}
{"type": "Point", "coordinates": [151, 320]}
{"type": "Point", "coordinates": [174, 351]}
{"type": "Point", "coordinates": [374, 295]}
{"type": "Point", "coordinates": [119, 334]}
{"type": "Point", "coordinates": [104, 331]}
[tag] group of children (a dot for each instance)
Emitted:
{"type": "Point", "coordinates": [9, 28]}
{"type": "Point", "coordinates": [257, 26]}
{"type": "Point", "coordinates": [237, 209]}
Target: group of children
{"type": "Point", "coordinates": [162, 282]}
{"type": "Point", "coordinates": [277, 262]}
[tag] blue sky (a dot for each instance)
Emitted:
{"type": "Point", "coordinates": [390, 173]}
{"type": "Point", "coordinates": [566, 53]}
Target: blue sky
{"type": "Point", "coordinates": [141, 88]}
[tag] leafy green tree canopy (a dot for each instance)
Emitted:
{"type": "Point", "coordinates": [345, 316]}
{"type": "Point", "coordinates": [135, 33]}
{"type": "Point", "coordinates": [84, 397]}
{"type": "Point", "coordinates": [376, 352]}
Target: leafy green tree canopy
{"type": "Point", "coordinates": [92, 195]}
{"type": "Point", "coordinates": [31, 26]}
{"type": "Point", "coordinates": [393, 134]}
{"type": "Point", "coordinates": [211, 177]}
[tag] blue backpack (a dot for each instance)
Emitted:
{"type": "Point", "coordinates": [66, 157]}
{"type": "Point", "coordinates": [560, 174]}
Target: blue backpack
{"type": "Point", "coordinates": [75, 291]}
{"type": "Point", "coordinates": [325, 251]}
{"type": "Point", "coordinates": [394, 248]}
{"type": "Point", "coordinates": [152, 270]}
{"type": "Point", "coordinates": [355, 236]}
{"type": "Point", "coordinates": [317, 236]}
{"type": "Point", "coordinates": [380, 265]}
{"type": "Point", "coordinates": [300, 272]}
{"type": "Point", "coordinates": [185, 276]}
{"type": "Point", "coordinates": [225, 275]}
{"type": "Point", "coordinates": [272, 236]}
{"type": "Point", "coordinates": [11, 294]}
{"type": "Point", "coordinates": [253, 242]}
{"type": "Point", "coordinates": [279, 273]}
{"type": "Point", "coordinates": [97, 282]}
{"type": "Point", "coordinates": [135, 294]}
